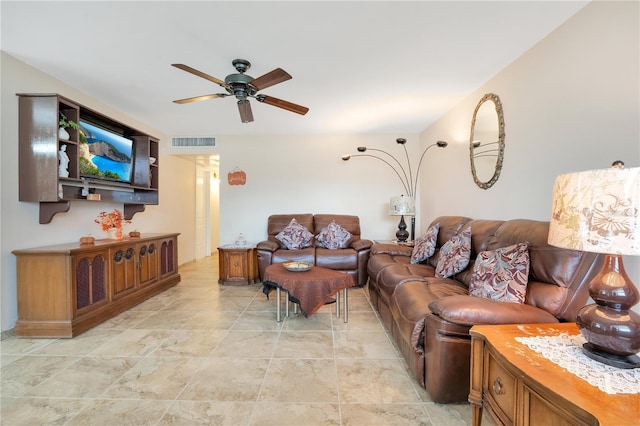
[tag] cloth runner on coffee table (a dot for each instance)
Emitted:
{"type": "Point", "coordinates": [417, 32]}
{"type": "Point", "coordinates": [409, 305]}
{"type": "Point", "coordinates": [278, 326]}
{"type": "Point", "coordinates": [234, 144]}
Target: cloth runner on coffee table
{"type": "Point", "coordinates": [310, 289]}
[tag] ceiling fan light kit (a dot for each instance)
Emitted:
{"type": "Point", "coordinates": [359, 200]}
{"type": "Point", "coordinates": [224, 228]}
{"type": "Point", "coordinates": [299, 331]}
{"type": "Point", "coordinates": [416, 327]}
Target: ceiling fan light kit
{"type": "Point", "coordinates": [243, 87]}
{"type": "Point", "coordinates": [246, 115]}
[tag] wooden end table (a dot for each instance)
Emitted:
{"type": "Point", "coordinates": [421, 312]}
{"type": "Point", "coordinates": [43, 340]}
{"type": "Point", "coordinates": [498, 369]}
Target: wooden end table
{"type": "Point", "coordinates": [238, 265]}
{"type": "Point", "coordinates": [309, 288]}
{"type": "Point", "coordinates": [408, 243]}
{"type": "Point", "coordinates": [519, 386]}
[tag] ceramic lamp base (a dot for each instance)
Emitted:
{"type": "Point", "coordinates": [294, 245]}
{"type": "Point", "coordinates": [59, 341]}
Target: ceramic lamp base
{"type": "Point", "coordinates": [610, 327]}
{"type": "Point", "coordinates": [627, 362]}
{"type": "Point", "coordinates": [402, 233]}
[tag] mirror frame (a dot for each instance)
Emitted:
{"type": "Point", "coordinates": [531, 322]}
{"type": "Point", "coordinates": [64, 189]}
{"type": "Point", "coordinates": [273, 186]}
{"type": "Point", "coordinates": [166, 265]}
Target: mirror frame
{"type": "Point", "coordinates": [496, 174]}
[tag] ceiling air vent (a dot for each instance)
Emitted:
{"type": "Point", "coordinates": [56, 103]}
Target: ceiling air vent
{"type": "Point", "coordinates": [193, 142]}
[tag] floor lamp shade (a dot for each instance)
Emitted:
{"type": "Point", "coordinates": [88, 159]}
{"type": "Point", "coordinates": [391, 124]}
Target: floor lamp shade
{"type": "Point", "coordinates": [400, 206]}
{"type": "Point", "coordinates": [599, 211]}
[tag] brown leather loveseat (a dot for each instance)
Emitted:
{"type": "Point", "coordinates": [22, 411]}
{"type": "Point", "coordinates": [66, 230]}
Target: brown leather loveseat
{"type": "Point", "coordinates": [352, 259]}
{"type": "Point", "coordinates": [429, 317]}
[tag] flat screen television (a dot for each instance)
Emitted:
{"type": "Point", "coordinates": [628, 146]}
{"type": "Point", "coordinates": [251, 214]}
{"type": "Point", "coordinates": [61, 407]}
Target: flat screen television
{"type": "Point", "coordinates": [104, 154]}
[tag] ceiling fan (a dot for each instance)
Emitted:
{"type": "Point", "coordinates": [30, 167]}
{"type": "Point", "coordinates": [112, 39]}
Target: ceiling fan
{"type": "Point", "coordinates": [243, 87]}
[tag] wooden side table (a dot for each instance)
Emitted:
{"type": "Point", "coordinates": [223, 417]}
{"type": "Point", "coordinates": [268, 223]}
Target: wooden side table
{"type": "Point", "coordinates": [519, 386]}
{"type": "Point", "coordinates": [238, 265]}
{"type": "Point", "coordinates": [408, 243]}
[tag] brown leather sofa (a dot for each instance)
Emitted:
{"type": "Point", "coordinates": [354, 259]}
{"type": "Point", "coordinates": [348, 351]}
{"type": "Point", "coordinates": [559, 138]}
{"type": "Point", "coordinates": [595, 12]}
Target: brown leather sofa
{"type": "Point", "coordinates": [429, 317]}
{"type": "Point", "coordinates": [351, 260]}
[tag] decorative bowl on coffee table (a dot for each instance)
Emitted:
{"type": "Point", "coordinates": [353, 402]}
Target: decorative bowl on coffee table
{"type": "Point", "coordinates": [297, 266]}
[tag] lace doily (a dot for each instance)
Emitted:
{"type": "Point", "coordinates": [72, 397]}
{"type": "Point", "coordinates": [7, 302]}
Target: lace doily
{"type": "Point", "coordinates": [566, 351]}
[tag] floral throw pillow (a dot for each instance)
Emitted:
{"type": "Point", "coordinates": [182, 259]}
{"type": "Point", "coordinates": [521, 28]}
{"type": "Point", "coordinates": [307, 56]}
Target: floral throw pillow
{"type": "Point", "coordinates": [454, 255]}
{"type": "Point", "coordinates": [501, 274]}
{"type": "Point", "coordinates": [295, 236]}
{"type": "Point", "coordinates": [333, 236]}
{"type": "Point", "coordinates": [425, 246]}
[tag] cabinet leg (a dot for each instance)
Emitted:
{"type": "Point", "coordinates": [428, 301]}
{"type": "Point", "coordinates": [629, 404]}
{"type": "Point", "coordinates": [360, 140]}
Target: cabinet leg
{"type": "Point", "coordinates": [476, 411]}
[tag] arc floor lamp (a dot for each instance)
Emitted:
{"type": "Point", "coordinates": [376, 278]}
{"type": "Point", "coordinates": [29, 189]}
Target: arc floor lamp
{"type": "Point", "coordinates": [402, 205]}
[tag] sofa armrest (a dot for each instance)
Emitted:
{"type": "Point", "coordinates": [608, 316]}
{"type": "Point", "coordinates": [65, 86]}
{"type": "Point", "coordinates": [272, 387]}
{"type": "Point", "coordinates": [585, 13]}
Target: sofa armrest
{"type": "Point", "coordinates": [391, 249]}
{"type": "Point", "coordinates": [469, 310]}
{"type": "Point", "coordinates": [359, 245]}
{"type": "Point", "coordinates": [267, 246]}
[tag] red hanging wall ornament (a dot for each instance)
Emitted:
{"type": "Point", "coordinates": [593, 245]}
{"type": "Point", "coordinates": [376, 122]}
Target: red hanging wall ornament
{"type": "Point", "coordinates": [237, 177]}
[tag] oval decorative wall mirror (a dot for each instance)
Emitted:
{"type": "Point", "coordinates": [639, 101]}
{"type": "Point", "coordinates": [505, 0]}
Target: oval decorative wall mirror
{"type": "Point", "coordinates": [486, 143]}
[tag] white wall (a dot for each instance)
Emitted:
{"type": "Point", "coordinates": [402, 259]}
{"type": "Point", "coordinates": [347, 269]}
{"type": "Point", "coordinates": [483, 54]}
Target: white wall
{"type": "Point", "coordinates": [571, 103]}
{"type": "Point", "coordinates": [305, 174]}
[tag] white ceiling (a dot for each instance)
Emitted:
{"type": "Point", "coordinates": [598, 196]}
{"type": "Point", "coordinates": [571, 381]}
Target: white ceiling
{"type": "Point", "coordinates": [361, 67]}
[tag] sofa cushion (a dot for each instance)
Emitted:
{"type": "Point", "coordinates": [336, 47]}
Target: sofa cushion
{"type": "Point", "coordinates": [307, 254]}
{"type": "Point", "coordinates": [501, 274]}
{"type": "Point", "coordinates": [468, 310]}
{"type": "Point", "coordinates": [333, 236]}
{"type": "Point", "coordinates": [277, 222]}
{"type": "Point", "coordinates": [395, 274]}
{"type": "Point", "coordinates": [348, 222]}
{"type": "Point", "coordinates": [454, 255]}
{"type": "Point", "coordinates": [381, 260]}
{"type": "Point", "coordinates": [295, 236]}
{"type": "Point", "coordinates": [425, 246]}
{"type": "Point", "coordinates": [337, 259]}
{"type": "Point", "coordinates": [409, 305]}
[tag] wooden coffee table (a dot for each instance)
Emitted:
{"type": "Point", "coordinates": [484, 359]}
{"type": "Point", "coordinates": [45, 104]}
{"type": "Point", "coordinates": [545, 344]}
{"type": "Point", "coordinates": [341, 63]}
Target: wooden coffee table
{"type": "Point", "coordinates": [519, 386]}
{"type": "Point", "coordinates": [310, 289]}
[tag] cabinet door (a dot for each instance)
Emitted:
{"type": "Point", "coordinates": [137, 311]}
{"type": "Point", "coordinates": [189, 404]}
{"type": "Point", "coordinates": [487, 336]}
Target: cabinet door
{"type": "Point", "coordinates": [89, 280]}
{"type": "Point", "coordinates": [236, 265]}
{"type": "Point", "coordinates": [148, 263]}
{"type": "Point", "coordinates": [168, 257]}
{"type": "Point", "coordinates": [123, 267]}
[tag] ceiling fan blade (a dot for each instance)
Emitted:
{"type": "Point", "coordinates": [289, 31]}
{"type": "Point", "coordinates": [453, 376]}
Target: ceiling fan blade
{"type": "Point", "coordinates": [199, 98]}
{"type": "Point", "coordinates": [246, 115]}
{"type": "Point", "coordinates": [269, 79]}
{"type": "Point", "coordinates": [289, 106]}
{"type": "Point", "coordinates": [200, 74]}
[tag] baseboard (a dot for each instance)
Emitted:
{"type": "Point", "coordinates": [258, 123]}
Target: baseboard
{"type": "Point", "coordinates": [7, 334]}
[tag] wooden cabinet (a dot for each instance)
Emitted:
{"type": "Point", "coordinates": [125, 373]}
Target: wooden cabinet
{"type": "Point", "coordinates": [238, 265]}
{"type": "Point", "coordinates": [519, 386]}
{"type": "Point", "coordinates": [40, 147]}
{"type": "Point", "coordinates": [66, 289]}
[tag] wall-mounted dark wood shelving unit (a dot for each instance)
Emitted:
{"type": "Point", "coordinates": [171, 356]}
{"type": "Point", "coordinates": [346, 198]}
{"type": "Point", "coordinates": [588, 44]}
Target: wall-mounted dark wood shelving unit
{"type": "Point", "coordinates": [39, 156]}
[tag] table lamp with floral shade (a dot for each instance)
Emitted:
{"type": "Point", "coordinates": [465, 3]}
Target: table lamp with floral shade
{"type": "Point", "coordinates": [599, 211]}
{"type": "Point", "coordinates": [401, 206]}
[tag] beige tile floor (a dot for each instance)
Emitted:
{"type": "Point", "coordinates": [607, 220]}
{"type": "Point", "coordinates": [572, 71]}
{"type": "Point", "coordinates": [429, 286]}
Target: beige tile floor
{"type": "Point", "coordinates": [201, 353]}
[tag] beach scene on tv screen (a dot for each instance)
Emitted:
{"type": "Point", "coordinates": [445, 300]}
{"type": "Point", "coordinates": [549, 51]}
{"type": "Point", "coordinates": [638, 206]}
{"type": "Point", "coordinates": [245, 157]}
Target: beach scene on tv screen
{"type": "Point", "coordinates": [104, 155]}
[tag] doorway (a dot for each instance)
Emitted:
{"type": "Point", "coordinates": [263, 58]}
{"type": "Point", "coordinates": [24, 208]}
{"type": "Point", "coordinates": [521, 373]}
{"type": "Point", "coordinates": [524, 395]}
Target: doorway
{"type": "Point", "coordinates": [206, 211]}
